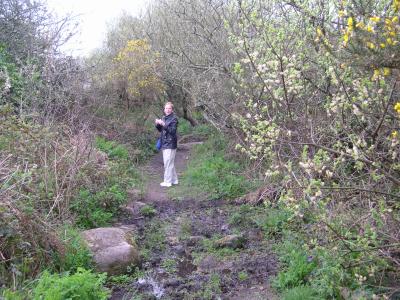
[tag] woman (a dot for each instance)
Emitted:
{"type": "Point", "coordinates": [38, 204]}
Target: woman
{"type": "Point", "coordinates": [168, 126]}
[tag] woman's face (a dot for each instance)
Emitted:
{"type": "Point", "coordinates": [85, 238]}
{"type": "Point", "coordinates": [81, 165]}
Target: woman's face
{"type": "Point", "coordinates": [168, 109]}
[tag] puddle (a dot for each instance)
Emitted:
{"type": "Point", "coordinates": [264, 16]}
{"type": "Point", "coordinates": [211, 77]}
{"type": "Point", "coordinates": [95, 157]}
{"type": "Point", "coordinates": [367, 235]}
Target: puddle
{"type": "Point", "coordinates": [157, 290]}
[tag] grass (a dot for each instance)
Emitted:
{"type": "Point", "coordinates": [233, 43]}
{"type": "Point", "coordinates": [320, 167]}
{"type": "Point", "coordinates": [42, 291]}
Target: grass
{"type": "Point", "coordinates": [77, 255]}
{"type": "Point", "coordinates": [242, 276]}
{"type": "Point", "coordinates": [209, 171]}
{"type": "Point", "coordinates": [211, 289]}
{"type": "Point", "coordinates": [201, 130]}
{"type": "Point", "coordinates": [153, 239]}
{"type": "Point", "coordinates": [148, 211]}
{"type": "Point", "coordinates": [186, 228]}
{"type": "Point", "coordinates": [169, 265]}
{"type": "Point", "coordinates": [301, 292]}
{"type": "Point", "coordinates": [134, 273]}
{"type": "Point", "coordinates": [208, 247]}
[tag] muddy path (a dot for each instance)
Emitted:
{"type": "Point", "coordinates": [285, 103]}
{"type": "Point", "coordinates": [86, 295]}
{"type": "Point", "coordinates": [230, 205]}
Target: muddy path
{"type": "Point", "coordinates": [194, 248]}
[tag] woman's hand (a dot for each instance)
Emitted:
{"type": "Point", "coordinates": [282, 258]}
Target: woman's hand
{"type": "Point", "coordinates": [160, 122]}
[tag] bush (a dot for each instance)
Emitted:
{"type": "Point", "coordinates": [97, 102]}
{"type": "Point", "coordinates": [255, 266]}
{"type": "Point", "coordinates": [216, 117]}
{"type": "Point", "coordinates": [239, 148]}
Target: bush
{"type": "Point", "coordinates": [12, 83]}
{"type": "Point", "coordinates": [275, 222]}
{"type": "Point", "coordinates": [81, 285]}
{"type": "Point", "coordinates": [112, 149]}
{"type": "Point", "coordinates": [96, 209]}
{"type": "Point", "coordinates": [204, 130]}
{"type": "Point", "coordinates": [148, 211]}
{"type": "Point", "coordinates": [297, 266]}
{"type": "Point", "coordinates": [184, 127]}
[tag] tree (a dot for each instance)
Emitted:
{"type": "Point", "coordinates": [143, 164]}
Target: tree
{"type": "Point", "coordinates": [196, 57]}
{"type": "Point", "coordinates": [135, 73]}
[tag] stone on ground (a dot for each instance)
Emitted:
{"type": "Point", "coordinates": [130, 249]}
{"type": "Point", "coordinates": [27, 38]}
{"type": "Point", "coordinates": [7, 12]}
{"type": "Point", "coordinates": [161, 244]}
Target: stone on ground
{"type": "Point", "coordinates": [233, 241]}
{"type": "Point", "coordinates": [113, 249]}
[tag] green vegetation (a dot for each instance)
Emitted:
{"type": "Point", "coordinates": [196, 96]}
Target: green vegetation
{"type": "Point", "coordinates": [79, 189]}
{"type": "Point", "coordinates": [300, 293]}
{"type": "Point", "coordinates": [297, 265]}
{"type": "Point", "coordinates": [211, 289]}
{"type": "Point", "coordinates": [242, 276]}
{"type": "Point", "coordinates": [315, 272]}
{"type": "Point", "coordinates": [77, 255]}
{"type": "Point", "coordinates": [184, 127]}
{"type": "Point", "coordinates": [153, 239]}
{"type": "Point", "coordinates": [132, 274]}
{"type": "Point", "coordinates": [209, 171]}
{"type": "Point", "coordinates": [97, 206]}
{"type": "Point", "coordinates": [186, 228]}
{"type": "Point", "coordinates": [148, 211]}
{"type": "Point", "coordinates": [308, 102]}
{"type": "Point", "coordinates": [246, 216]}
{"type": "Point", "coordinates": [208, 247]}
{"type": "Point", "coordinates": [81, 285]}
{"type": "Point", "coordinates": [112, 149]}
{"type": "Point", "coordinates": [96, 210]}
{"type": "Point", "coordinates": [200, 131]}
{"type": "Point", "coordinates": [11, 81]}
{"type": "Point", "coordinates": [170, 265]}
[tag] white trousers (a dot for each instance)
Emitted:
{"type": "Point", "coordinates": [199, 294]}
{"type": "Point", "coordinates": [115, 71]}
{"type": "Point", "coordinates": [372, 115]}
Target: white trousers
{"type": "Point", "coordinates": [169, 166]}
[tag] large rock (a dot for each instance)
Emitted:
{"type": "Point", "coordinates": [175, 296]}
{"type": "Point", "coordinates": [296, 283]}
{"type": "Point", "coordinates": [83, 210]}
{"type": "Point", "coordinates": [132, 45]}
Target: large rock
{"type": "Point", "coordinates": [113, 249]}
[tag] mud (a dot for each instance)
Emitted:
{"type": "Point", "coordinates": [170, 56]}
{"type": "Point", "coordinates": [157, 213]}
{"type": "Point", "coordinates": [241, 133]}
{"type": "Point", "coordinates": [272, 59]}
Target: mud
{"type": "Point", "coordinates": [181, 260]}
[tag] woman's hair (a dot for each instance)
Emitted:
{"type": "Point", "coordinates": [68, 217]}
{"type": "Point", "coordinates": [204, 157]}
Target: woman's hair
{"type": "Point", "coordinates": [169, 103]}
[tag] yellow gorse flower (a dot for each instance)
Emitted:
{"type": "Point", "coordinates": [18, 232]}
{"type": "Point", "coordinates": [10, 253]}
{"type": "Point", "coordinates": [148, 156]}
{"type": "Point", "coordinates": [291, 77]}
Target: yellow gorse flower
{"type": "Point", "coordinates": [386, 71]}
{"type": "Point", "coordinates": [376, 74]}
{"type": "Point", "coordinates": [396, 5]}
{"type": "Point", "coordinates": [350, 23]}
{"type": "Point", "coordinates": [397, 107]}
{"type": "Point", "coordinates": [360, 25]}
{"type": "Point", "coordinates": [346, 38]}
{"type": "Point", "coordinates": [375, 19]}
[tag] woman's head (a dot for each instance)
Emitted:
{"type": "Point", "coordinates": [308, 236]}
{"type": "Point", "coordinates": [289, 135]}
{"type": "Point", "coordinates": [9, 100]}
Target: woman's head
{"type": "Point", "coordinates": [168, 108]}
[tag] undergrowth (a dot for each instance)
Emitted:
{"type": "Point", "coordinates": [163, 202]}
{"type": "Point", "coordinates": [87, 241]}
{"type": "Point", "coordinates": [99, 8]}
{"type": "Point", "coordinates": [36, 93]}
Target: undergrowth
{"type": "Point", "coordinates": [50, 178]}
{"type": "Point", "coordinates": [211, 172]}
{"type": "Point", "coordinates": [316, 271]}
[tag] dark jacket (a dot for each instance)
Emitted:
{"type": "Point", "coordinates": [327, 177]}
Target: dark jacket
{"type": "Point", "coordinates": [169, 138]}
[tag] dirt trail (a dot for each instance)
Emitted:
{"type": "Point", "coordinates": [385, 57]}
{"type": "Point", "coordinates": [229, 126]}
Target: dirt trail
{"type": "Point", "coordinates": [191, 248]}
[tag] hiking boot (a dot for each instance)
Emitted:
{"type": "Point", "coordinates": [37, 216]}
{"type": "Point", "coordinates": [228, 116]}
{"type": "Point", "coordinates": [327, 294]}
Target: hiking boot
{"type": "Point", "coordinates": [165, 184]}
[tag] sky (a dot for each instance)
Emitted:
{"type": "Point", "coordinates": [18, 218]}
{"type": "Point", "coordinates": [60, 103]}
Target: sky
{"type": "Point", "coordinates": [93, 17]}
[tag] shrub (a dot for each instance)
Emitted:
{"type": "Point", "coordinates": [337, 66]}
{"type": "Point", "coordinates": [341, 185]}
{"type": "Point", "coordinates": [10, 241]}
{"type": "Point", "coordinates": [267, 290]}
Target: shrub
{"type": "Point", "coordinates": [81, 285]}
{"type": "Point", "coordinates": [274, 222]}
{"type": "Point", "coordinates": [148, 211]}
{"type": "Point", "coordinates": [204, 130]}
{"type": "Point", "coordinates": [297, 266]}
{"type": "Point", "coordinates": [112, 149]}
{"type": "Point", "coordinates": [96, 209]}
{"type": "Point", "coordinates": [184, 127]}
